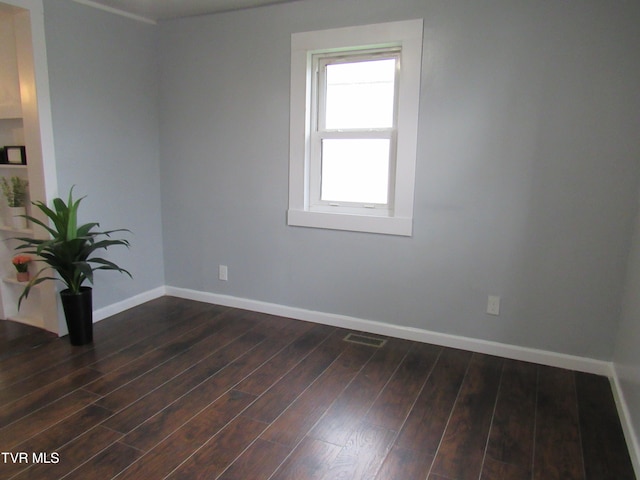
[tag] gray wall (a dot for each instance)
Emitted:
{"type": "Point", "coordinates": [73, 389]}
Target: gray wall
{"type": "Point", "coordinates": [527, 170]}
{"type": "Point", "coordinates": [627, 352]}
{"type": "Point", "coordinates": [103, 76]}
{"type": "Point", "coordinates": [527, 164]}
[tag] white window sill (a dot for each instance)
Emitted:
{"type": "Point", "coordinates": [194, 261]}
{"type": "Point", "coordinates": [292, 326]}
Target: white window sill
{"type": "Point", "coordinates": [354, 223]}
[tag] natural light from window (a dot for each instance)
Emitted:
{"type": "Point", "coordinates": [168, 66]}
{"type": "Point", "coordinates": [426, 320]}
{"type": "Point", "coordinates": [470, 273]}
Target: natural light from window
{"type": "Point", "coordinates": [355, 170]}
{"type": "Point", "coordinates": [359, 100]}
{"type": "Point", "coordinates": [360, 95]}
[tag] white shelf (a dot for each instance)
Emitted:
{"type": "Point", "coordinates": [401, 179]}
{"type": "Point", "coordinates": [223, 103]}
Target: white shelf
{"type": "Point", "coordinates": [11, 112]}
{"type": "Point", "coordinates": [20, 125]}
{"type": "Point", "coordinates": [23, 231]}
{"type": "Point", "coordinates": [13, 166]}
{"type": "Point", "coordinates": [14, 281]}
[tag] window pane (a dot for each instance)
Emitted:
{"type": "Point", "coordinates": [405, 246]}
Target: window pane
{"type": "Point", "coordinates": [360, 94]}
{"type": "Point", "coordinates": [355, 170]}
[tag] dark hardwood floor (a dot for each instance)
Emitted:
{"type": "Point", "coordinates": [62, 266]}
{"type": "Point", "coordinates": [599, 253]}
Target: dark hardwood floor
{"type": "Point", "coordinates": [179, 389]}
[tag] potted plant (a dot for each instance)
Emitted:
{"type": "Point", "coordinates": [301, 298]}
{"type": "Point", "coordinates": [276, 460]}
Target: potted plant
{"type": "Point", "coordinates": [15, 191]}
{"type": "Point", "coordinates": [21, 262]}
{"type": "Point", "coordinates": [70, 252]}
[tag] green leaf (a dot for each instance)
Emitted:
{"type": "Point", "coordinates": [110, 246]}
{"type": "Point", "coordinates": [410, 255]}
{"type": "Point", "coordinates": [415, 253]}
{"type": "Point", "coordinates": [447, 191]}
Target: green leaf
{"type": "Point", "coordinates": [70, 248]}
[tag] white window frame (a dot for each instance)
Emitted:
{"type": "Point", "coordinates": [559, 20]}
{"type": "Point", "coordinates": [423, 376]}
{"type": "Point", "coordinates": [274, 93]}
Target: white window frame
{"type": "Point", "coordinates": [397, 217]}
{"type": "Point", "coordinates": [320, 132]}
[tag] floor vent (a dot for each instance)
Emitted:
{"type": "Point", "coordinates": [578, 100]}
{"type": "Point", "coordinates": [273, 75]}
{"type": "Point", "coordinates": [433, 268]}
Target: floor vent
{"type": "Point", "coordinates": [364, 340]}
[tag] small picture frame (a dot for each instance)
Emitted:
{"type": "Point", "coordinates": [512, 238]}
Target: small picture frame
{"type": "Point", "coordinates": [14, 155]}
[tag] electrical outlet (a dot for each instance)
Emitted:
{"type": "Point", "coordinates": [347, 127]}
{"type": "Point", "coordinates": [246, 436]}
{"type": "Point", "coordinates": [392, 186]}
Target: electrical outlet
{"type": "Point", "coordinates": [223, 273]}
{"type": "Point", "coordinates": [493, 305]}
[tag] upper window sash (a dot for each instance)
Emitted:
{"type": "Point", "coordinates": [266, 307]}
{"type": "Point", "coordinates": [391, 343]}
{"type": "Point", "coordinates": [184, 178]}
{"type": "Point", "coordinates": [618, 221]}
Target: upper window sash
{"type": "Point", "coordinates": [320, 63]}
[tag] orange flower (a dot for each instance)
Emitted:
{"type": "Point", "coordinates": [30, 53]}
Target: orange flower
{"type": "Point", "coordinates": [21, 262]}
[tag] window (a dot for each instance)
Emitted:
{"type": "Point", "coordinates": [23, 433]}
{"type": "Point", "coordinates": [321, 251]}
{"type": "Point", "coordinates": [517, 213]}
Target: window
{"type": "Point", "coordinates": [354, 112]}
{"type": "Point", "coordinates": [352, 159]}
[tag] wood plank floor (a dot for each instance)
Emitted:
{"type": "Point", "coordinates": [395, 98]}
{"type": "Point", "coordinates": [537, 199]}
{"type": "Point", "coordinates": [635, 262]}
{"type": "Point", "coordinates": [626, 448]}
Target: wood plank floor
{"type": "Point", "coordinates": [179, 389]}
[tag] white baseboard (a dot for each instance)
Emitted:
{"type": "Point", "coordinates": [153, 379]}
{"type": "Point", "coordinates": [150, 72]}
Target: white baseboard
{"type": "Point", "coordinates": [115, 308]}
{"type": "Point", "coordinates": [553, 359]}
{"type": "Point", "coordinates": [625, 419]}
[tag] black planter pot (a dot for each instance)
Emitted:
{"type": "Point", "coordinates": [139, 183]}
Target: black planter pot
{"type": "Point", "coordinates": [78, 311]}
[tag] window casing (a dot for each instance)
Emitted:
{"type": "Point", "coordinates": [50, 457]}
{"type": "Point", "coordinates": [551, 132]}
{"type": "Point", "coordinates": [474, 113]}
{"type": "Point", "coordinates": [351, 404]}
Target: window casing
{"type": "Point", "coordinates": [336, 149]}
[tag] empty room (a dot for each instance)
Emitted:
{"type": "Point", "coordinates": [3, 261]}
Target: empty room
{"type": "Point", "coordinates": [456, 298]}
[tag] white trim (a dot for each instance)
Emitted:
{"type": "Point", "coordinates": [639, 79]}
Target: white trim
{"type": "Point", "coordinates": [561, 360]}
{"type": "Point", "coordinates": [633, 443]}
{"type": "Point", "coordinates": [116, 11]}
{"type": "Point", "coordinates": [115, 308]}
{"type": "Point", "coordinates": [354, 223]}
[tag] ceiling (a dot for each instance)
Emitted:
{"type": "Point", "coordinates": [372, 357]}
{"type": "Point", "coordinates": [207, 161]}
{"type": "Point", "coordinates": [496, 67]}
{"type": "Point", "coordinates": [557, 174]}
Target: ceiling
{"type": "Point", "coordinates": [156, 10]}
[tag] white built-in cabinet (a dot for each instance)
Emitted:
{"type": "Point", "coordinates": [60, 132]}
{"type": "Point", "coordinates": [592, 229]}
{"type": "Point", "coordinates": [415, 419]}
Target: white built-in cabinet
{"type": "Point", "coordinates": [19, 126]}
